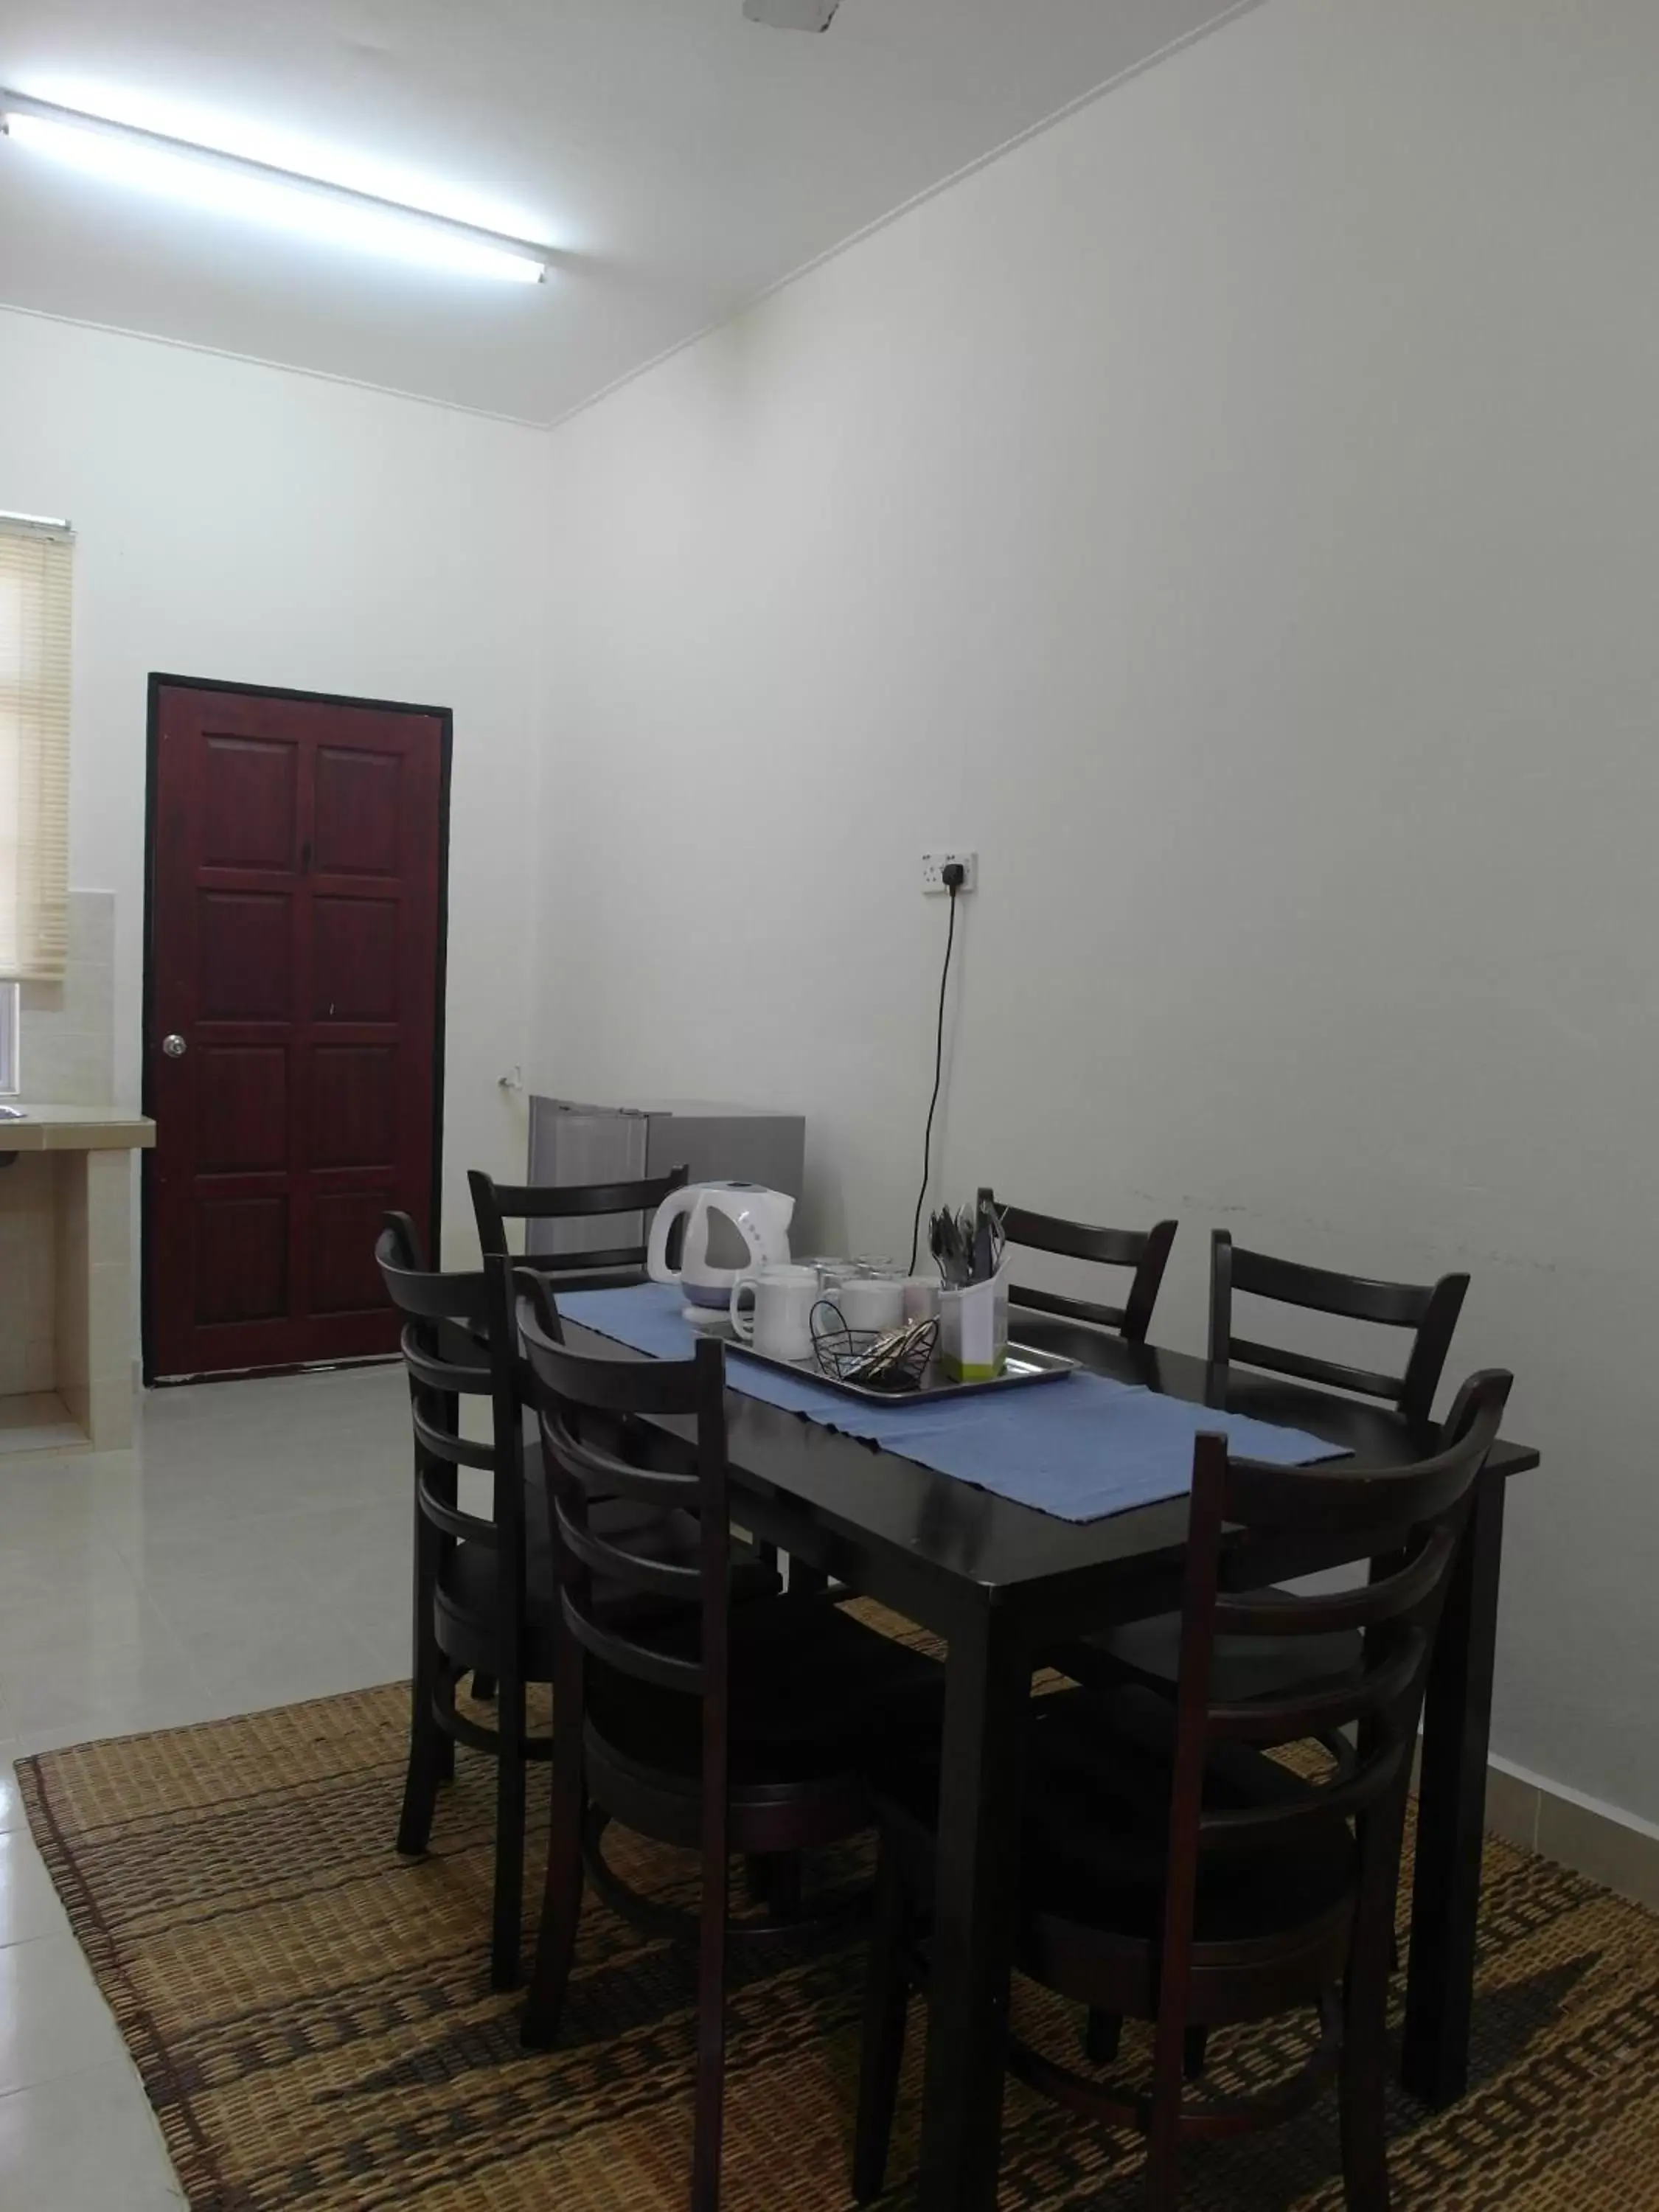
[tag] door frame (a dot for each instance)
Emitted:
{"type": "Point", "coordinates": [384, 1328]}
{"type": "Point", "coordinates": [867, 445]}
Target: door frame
{"type": "Point", "coordinates": [445, 716]}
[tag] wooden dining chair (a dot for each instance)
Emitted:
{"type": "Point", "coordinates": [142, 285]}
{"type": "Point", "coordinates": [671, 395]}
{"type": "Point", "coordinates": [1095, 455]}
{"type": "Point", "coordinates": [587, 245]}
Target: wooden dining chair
{"type": "Point", "coordinates": [494, 1204]}
{"type": "Point", "coordinates": [1145, 1250]}
{"type": "Point", "coordinates": [1149, 1650]}
{"type": "Point", "coordinates": [718, 1727]}
{"type": "Point", "coordinates": [476, 1610]}
{"type": "Point", "coordinates": [598, 1268]}
{"type": "Point", "coordinates": [1428, 1311]}
{"type": "Point", "coordinates": [483, 1587]}
{"type": "Point", "coordinates": [1174, 1871]}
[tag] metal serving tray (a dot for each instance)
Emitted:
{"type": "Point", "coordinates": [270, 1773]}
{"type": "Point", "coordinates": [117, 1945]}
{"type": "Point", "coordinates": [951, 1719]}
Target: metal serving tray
{"type": "Point", "coordinates": [1026, 1365]}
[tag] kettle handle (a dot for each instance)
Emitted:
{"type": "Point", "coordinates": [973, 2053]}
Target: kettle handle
{"type": "Point", "coordinates": [656, 1257]}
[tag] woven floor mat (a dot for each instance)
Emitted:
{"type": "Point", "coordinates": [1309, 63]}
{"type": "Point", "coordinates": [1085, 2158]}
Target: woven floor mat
{"type": "Point", "coordinates": [313, 2021]}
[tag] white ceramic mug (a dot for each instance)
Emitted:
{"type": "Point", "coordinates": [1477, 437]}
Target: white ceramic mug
{"type": "Point", "coordinates": [870, 1305]}
{"type": "Point", "coordinates": [779, 1323]}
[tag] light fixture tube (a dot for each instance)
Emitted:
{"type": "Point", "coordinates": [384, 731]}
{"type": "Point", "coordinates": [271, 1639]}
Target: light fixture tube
{"type": "Point", "coordinates": [203, 176]}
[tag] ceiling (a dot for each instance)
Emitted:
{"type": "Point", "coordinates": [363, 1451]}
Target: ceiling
{"type": "Point", "coordinates": [683, 158]}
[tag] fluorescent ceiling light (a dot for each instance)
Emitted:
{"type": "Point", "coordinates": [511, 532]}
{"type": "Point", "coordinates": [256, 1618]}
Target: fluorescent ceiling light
{"type": "Point", "coordinates": [200, 176]}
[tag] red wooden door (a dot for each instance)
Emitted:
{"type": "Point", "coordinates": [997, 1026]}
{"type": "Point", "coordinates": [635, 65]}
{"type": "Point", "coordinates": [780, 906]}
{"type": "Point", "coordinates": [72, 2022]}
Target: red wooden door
{"type": "Point", "coordinates": [295, 971]}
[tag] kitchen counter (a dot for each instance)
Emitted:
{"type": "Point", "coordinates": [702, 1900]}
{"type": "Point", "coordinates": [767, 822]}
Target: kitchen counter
{"type": "Point", "coordinates": [46, 1127]}
{"type": "Point", "coordinates": [66, 1275]}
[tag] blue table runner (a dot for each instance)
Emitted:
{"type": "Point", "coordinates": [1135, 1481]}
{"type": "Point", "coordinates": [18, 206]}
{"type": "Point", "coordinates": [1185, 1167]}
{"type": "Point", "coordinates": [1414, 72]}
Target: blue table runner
{"type": "Point", "coordinates": [1080, 1448]}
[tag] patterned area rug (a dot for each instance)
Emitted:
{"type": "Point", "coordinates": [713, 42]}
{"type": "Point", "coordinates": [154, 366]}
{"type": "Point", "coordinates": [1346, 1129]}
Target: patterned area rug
{"type": "Point", "coordinates": [312, 2023]}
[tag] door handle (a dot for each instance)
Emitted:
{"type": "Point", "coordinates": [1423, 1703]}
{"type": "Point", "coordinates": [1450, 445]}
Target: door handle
{"type": "Point", "coordinates": [173, 1045]}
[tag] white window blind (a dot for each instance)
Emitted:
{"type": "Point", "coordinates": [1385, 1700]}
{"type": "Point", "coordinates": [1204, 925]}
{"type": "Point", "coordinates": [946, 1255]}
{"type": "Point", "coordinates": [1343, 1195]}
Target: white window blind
{"type": "Point", "coordinates": [35, 572]}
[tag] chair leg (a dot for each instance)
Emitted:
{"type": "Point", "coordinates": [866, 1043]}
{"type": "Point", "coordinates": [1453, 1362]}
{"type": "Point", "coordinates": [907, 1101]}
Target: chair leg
{"type": "Point", "coordinates": [1364, 2012]}
{"type": "Point", "coordinates": [432, 1549]}
{"type": "Point", "coordinates": [886, 2003]}
{"type": "Point", "coordinates": [427, 1744]}
{"type": "Point", "coordinates": [1102, 2032]}
{"type": "Point", "coordinates": [509, 1838]}
{"type": "Point", "coordinates": [562, 1895]}
{"type": "Point", "coordinates": [1163, 2166]}
{"type": "Point", "coordinates": [446, 1742]}
{"type": "Point", "coordinates": [483, 1687]}
{"type": "Point", "coordinates": [426, 1750]}
{"type": "Point", "coordinates": [709, 2116]}
{"type": "Point", "coordinates": [1365, 2069]}
{"type": "Point", "coordinates": [1365, 2132]}
{"type": "Point", "coordinates": [1194, 2051]}
{"type": "Point", "coordinates": [1164, 2132]}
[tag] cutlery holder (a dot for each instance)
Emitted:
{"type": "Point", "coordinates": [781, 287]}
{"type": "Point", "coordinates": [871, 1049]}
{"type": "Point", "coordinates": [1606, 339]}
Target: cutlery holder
{"type": "Point", "coordinates": [973, 1330]}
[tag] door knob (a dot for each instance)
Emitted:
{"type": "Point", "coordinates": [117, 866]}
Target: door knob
{"type": "Point", "coordinates": [174, 1046]}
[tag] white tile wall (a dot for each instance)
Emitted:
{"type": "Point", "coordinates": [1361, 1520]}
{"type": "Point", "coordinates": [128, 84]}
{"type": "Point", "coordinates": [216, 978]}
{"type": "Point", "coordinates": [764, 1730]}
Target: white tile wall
{"type": "Point", "coordinates": [66, 1056]}
{"type": "Point", "coordinates": [67, 1051]}
{"type": "Point", "coordinates": [28, 1273]}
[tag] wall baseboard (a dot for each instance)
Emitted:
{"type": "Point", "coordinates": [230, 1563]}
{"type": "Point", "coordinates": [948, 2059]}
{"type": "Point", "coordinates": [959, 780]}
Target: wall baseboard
{"type": "Point", "coordinates": [1594, 1839]}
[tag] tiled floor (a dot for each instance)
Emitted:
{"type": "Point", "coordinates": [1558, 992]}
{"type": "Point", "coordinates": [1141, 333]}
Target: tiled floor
{"type": "Point", "coordinates": [252, 1549]}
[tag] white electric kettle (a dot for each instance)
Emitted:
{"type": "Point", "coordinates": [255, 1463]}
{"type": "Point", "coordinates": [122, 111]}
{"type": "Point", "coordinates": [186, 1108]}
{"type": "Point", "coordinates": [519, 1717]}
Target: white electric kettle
{"type": "Point", "coordinates": [759, 1217]}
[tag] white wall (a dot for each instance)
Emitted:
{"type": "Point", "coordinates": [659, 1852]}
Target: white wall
{"type": "Point", "coordinates": [255, 525]}
{"type": "Point", "coordinates": [1236, 513]}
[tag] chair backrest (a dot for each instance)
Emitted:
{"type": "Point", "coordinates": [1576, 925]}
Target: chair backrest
{"type": "Point", "coordinates": [1430, 1310]}
{"type": "Point", "coordinates": [1405, 1522]}
{"type": "Point", "coordinates": [494, 1204]}
{"type": "Point", "coordinates": [1146, 1250]}
{"type": "Point", "coordinates": [458, 1344]}
{"type": "Point", "coordinates": [592, 1451]}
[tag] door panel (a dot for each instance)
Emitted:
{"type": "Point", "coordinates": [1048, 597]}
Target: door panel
{"type": "Point", "coordinates": [244, 956]}
{"type": "Point", "coordinates": [359, 805]}
{"type": "Point", "coordinates": [355, 960]}
{"type": "Point", "coordinates": [344, 1279]}
{"type": "Point", "coordinates": [240, 1261]}
{"type": "Point", "coordinates": [241, 1102]}
{"type": "Point", "coordinates": [353, 1106]}
{"type": "Point", "coordinates": [296, 868]}
{"type": "Point", "coordinates": [250, 802]}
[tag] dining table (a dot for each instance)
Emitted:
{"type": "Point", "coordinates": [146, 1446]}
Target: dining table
{"type": "Point", "coordinates": [1003, 1583]}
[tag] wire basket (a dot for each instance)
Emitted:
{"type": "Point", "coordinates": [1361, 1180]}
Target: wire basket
{"type": "Point", "coordinates": [896, 1360]}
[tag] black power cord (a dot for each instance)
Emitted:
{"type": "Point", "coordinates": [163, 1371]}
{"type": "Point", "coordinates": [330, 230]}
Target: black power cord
{"type": "Point", "coordinates": [953, 878]}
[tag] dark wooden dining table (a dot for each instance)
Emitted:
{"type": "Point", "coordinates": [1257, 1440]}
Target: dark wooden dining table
{"type": "Point", "coordinates": [1002, 1583]}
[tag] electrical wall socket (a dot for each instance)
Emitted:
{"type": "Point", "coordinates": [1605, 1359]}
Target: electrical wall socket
{"type": "Point", "coordinates": [933, 866]}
